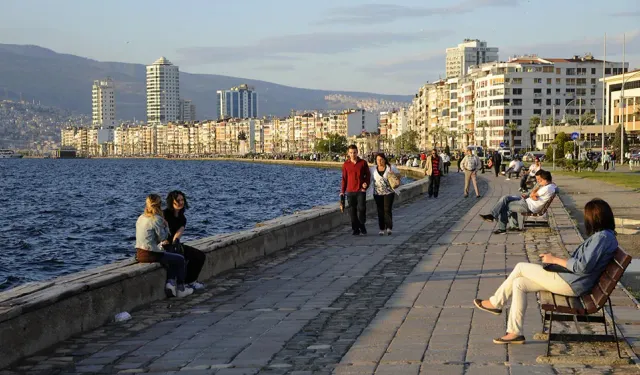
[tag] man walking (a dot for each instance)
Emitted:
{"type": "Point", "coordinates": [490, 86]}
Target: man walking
{"type": "Point", "coordinates": [433, 169]}
{"type": "Point", "coordinates": [496, 159]}
{"type": "Point", "coordinates": [355, 181]}
{"type": "Point", "coordinates": [506, 209]}
{"type": "Point", "coordinates": [470, 165]}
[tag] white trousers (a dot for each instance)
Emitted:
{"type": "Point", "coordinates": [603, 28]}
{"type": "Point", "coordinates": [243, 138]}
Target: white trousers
{"type": "Point", "coordinates": [526, 278]}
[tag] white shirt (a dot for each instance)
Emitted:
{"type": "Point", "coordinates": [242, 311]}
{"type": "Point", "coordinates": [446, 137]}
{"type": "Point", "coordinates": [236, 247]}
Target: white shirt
{"type": "Point", "coordinates": [533, 169]}
{"type": "Point", "coordinates": [544, 194]}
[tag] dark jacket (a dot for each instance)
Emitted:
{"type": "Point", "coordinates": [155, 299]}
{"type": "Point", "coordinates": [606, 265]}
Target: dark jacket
{"type": "Point", "coordinates": [496, 158]}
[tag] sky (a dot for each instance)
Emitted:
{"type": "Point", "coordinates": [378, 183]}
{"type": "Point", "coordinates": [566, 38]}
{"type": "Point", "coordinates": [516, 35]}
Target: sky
{"type": "Point", "coordinates": [388, 47]}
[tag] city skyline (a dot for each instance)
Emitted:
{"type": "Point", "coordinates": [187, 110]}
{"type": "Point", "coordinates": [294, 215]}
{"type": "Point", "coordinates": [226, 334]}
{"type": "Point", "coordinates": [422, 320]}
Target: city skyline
{"type": "Point", "coordinates": [380, 48]}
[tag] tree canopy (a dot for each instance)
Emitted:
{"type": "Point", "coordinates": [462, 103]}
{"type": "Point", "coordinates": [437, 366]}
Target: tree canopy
{"type": "Point", "coordinates": [333, 143]}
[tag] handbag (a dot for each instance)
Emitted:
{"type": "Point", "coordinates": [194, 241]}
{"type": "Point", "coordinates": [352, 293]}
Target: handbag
{"type": "Point", "coordinates": [551, 267]}
{"type": "Point", "coordinates": [394, 180]}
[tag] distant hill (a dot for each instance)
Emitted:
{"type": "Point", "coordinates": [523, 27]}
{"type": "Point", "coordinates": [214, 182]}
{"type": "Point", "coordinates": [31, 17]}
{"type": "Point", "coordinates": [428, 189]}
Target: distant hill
{"type": "Point", "coordinates": [61, 80]}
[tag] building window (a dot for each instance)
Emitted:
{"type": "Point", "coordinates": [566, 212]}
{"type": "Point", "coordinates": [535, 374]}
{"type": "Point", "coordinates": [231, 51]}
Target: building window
{"type": "Point", "coordinates": [549, 81]}
{"type": "Point", "coordinates": [558, 71]}
{"type": "Point", "coordinates": [537, 111]}
{"type": "Point", "coordinates": [548, 91]}
{"type": "Point", "coordinates": [537, 80]}
{"type": "Point", "coordinates": [593, 70]}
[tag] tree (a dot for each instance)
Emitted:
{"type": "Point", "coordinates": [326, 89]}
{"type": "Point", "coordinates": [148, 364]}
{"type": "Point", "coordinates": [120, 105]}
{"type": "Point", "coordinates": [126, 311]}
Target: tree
{"type": "Point", "coordinates": [454, 136]}
{"type": "Point", "coordinates": [534, 122]}
{"type": "Point", "coordinates": [561, 139]}
{"type": "Point", "coordinates": [512, 126]}
{"type": "Point", "coordinates": [242, 136]}
{"type": "Point", "coordinates": [334, 143]}
{"type": "Point", "coordinates": [483, 125]}
{"type": "Point", "coordinates": [616, 144]}
{"type": "Point", "coordinates": [407, 141]}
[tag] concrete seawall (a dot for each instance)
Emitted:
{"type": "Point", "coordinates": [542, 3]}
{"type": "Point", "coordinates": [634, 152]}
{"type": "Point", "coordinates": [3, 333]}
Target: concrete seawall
{"type": "Point", "coordinates": [35, 316]}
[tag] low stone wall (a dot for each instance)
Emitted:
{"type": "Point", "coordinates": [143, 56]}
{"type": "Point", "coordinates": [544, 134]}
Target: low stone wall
{"type": "Point", "coordinates": [35, 316]}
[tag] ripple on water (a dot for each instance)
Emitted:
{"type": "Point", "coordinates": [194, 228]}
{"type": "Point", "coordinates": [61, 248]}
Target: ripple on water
{"type": "Point", "coordinates": [69, 215]}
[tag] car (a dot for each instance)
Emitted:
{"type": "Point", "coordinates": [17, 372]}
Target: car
{"type": "Point", "coordinates": [532, 155]}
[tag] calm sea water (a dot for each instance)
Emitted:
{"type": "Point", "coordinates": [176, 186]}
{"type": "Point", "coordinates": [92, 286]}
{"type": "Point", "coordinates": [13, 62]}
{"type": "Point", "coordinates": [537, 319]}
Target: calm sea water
{"type": "Point", "coordinates": [63, 216]}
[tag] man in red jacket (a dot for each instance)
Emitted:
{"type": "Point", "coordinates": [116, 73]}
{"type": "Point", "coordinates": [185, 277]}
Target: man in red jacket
{"type": "Point", "coordinates": [355, 181]}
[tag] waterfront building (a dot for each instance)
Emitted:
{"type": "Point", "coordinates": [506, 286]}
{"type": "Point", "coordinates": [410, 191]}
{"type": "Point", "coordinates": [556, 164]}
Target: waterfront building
{"type": "Point", "coordinates": [624, 109]}
{"type": "Point", "coordinates": [187, 111]}
{"type": "Point", "coordinates": [163, 92]}
{"type": "Point", "coordinates": [238, 102]}
{"type": "Point", "coordinates": [485, 104]}
{"type": "Point", "coordinates": [467, 54]}
{"type": "Point", "coordinates": [103, 103]}
{"type": "Point", "coordinates": [531, 89]}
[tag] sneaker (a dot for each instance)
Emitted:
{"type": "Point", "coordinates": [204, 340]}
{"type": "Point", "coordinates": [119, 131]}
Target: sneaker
{"type": "Point", "coordinates": [363, 230]}
{"type": "Point", "coordinates": [507, 179]}
{"type": "Point", "coordinates": [185, 292]}
{"type": "Point", "coordinates": [466, 196]}
{"type": "Point", "coordinates": [170, 288]}
{"type": "Point", "coordinates": [356, 233]}
{"type": "Point", "coordinates": [196, 285]}
{"type": "Point", "coordinates": [499, 231]}
{"type": "Point", "coordinates": [478, 196]}
{"type": "Point", "coordinates": [388, 232]}
{"type": "Point", "coordinates": [381, 233]}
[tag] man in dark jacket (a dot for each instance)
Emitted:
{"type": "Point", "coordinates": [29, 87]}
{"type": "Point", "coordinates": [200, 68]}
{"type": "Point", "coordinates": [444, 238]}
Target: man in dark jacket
{"type": "Point", "coordinates": [496, 159]}
{"type": "Point", "coordinates": [355, 181]}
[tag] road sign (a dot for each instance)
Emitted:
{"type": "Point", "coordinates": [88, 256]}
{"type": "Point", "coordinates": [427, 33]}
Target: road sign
{"type": "Point", "coordinates": [575, 136]}
{"type": "Point", "coordinates": [502, 144]}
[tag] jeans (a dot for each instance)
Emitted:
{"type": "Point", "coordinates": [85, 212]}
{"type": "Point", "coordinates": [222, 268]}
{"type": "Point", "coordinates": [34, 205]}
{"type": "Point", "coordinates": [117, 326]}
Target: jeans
{"type": "Point", "coordinates": [357, 209]}
{"type": "Point", "coordinates": [526, 278]}
{"type": "Point", "coordinates": [174, 263]}
{"type": "Point", "coordinates": [470, 176]}
{"type": "Point", "coordinates": [511, 171]}
{"type": "Point", "coordinates": [434, 186]}
{"type": "Point", "coordinates": [523, 181]}
{"type": "Point", "coordinates": [446, 167]}
{"type": "Point", "coordinates": [384, 203]}
{"type": "Point", "coordinates": [506, 211]}
{"type": "Point", "coordinates": [496, 168]}
{"type": "Point", "coordinates": [195, 260]}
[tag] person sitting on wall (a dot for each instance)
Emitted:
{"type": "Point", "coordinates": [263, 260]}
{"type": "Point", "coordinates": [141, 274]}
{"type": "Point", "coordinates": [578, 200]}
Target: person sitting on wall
{"type": "Point", "coordinates": [174, 215]}
{"type": "Point", "coordinates": [151, 233]}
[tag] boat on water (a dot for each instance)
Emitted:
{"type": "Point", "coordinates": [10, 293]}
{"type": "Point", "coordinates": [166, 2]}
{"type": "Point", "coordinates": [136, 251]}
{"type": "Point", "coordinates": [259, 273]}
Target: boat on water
{"type": "Point", "coordinates": [9, 154]}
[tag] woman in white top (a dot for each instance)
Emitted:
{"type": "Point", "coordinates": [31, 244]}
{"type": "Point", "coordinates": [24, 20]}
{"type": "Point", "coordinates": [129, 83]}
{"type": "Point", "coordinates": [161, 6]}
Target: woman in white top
{"type": "Point", "coordinates": [383, 193]}
{"type": "Point", "coordinates": [533, 169]}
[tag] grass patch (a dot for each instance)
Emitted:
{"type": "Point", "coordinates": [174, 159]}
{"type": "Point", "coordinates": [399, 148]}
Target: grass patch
{"type": "Point", "coordinates": [629, 180]}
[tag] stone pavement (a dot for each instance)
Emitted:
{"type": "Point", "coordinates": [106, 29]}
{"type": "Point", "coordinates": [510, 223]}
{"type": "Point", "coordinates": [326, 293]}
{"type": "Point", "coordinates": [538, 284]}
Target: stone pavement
{"type": "Point", "coordinates": [399, 304]}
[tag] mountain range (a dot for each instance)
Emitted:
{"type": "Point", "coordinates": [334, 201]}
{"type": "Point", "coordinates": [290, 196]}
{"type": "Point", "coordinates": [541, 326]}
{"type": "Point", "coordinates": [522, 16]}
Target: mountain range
{"type": "Point", "coordinates": [30, 72]}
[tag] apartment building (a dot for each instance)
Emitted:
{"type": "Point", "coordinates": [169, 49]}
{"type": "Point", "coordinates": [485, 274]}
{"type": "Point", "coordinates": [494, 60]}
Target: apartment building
{"type": "Point", "coordinates": [163, 92]}
{"type": "Point", "coordinates": [513, 92]}
{"type": "Point", "coordinates": [103, 103]}
{"type": "Point", "coordinates": [469, 53]}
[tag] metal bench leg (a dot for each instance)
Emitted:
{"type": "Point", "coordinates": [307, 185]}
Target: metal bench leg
{"type": "Point", "coordinates": [549, 337]}
{"type": "Point", "coordinates": [613, 321]}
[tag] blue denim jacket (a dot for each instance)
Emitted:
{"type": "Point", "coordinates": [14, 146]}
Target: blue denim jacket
{"type": "Point", "coordinates": [589, 260]}
{"type": "Point", "coordinates": [150, 231]}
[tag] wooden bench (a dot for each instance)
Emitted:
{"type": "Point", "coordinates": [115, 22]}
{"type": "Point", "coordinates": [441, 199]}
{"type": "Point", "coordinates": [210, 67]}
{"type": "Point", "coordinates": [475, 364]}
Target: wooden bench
{"type": "Point", "coordinates": [524, 215]}
{"type": "Point", "coordinates": [557, 307]}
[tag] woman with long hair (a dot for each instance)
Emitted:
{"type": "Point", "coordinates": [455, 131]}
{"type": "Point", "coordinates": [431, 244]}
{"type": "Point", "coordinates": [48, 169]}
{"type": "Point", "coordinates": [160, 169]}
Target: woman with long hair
{"type": "Point", "coordinates": [383, 193]}
{"type": "Point", "coordinates": [569, 277]}
{"type": "Point", "coordinates": [151, 233]}
{"type": "Point", "coordinates": [174, 215]}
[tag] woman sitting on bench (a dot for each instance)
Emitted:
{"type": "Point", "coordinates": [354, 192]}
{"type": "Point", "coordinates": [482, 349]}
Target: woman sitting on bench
{"type": "Point", "coordinates": [570, 277]}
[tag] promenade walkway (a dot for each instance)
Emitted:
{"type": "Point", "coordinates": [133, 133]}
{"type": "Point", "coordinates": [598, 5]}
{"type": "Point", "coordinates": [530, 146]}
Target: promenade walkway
{"type": "Point", "coordinates": [399, 304]}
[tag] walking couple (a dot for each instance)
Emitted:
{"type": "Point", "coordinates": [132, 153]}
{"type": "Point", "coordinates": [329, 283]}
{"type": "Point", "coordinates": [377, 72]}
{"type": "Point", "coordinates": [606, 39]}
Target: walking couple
{"type": "Point", "coordinates": [356, 179]}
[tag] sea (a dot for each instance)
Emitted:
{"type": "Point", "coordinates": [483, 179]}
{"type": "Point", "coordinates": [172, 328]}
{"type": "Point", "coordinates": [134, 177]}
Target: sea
{"type": "Point", "coordinates": [60, 216]}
